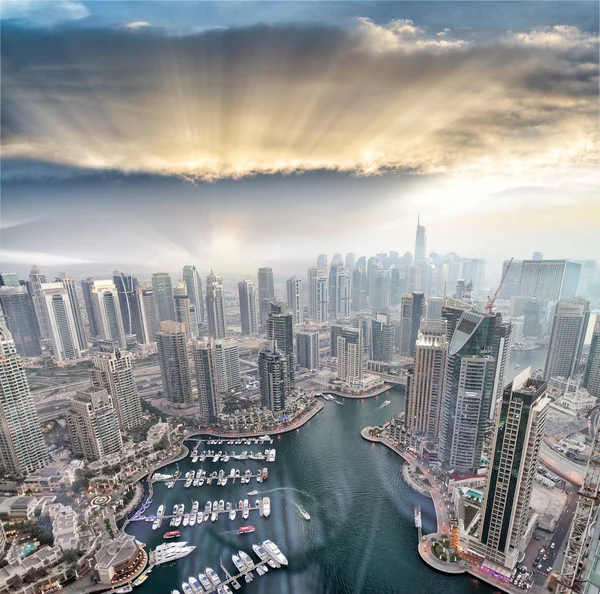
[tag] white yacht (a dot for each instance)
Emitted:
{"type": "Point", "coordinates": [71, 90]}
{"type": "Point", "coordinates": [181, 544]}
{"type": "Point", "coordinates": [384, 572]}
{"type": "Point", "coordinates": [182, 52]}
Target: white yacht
{"type": "Point", "coordinates": [274, 552]}
{"type": "Point", "coordinates": [186, 520]}
{"type": "Point", "coordinates": [196, 587]}
{"type": "Point", "coordinates": [263, 556]}
{"type": "Point", "coordinates": [241, 566]}
{"type": "Point", "coordinates": [266, 506]}
{"type": "Point", "coordinates": [205, 581]}
{"type": "Point", "coordinates": [171, 551]}
{"type": "Point", "coordinates": [232, 514]}
{"type": "Point", "coordinates": [212, 576]}
{"type": "Point", "coordinates": [246, 510]}
{"type": "Point", "coordinates": [187, 589]}
{"type": "Point", "coordinates": [246, 559]}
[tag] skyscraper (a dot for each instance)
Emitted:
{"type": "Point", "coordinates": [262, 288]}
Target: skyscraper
{"type": "Point", "coordinates": [126, 285]}
{"type": "Point", "coordinates": [591, 376]}
{"type": "Point", "coordinates": [174, 364]}
{"type": "Point", "coordinates": [424, 398]}
{"type": "Point", "coordinates": [280, 328]}
{"type": "Point", "coordinates": [20, 318]}
{"type": "Point", "coordinates": [86, 289]}
{"type": "Point", "coordinates": [411, 313]}
{"type": "Point", "coordinates": [397, 286]}
{"type": "Point", "coordinates": [228, 364]}
{"type": "Point", "coordinates": [359, 289]}
{"type": "Point", "coordinates": [340, 295]}
{"type": "Point", "coordinates": [335, 331]}
{"type": "Point", "coordinates": [307, 349]}
{"type": "Point", "coordinates": [107, 312]}
{"type": "Point", "coordinates": [215, 306]}
{"type": "Point", "coordinates": [163, 296]}
{"type": "Point", "coordinates": [71, 287]}
{"type": "Point", "coordinates": [193, 282]}
{"type": "Point", "coordinates": [295, 300]}
{"type": "Point", "coordinates": [337, 259]}
{"type": "Point", "coordinates": [566, 339]}
{"type": "Point", "coordinates": [266, 294]}
{"type": "Point", "coordinates": [207, 380]}
{"type": "Point", "coordinates": [322, 261]}
{"type": "Point", "coordinates": [22, 446]}
{"type": "Point", "coordinates": [549, 280]}
{"type": "Point", "coordinates": [184, 311]}
{"type": "Point", "coordinates": [274, 376]}
{"type": "Point", "coordinates": [434, 308]}
{"type": "Point", "coordinates": [350, 356]}
{"type": "Point", "coordinates": [350, 261]}
{"type": "Point", "coordinates": [381, 343]}
{"type": "Point", "coordinates": [248, 310]}
{"type": "Point", "coordinates": [381, 297]}
{"type": "Point", "coordinates": [413, 279]}
{"type": "Point", "coordinates": [9, 279]}
{"type": "Point", "coordinates": [36, 278]}
{"type": "Point", "coordinates": [145, 322]}
{"type": "Point", "coordinates": [506, 514]}
{"type": "Point", "coordinates": [63, 330]}
{"type": "Point", "coordinates": [469, 390]}
{"type": "Point", "coordinates": [92, 424]}
{"type": "Point", "coordinates": [420, 242]}
{"type": "Point", "coordinates": [317, 294]}
{"type": "Point", "coordinates": [113, 371]}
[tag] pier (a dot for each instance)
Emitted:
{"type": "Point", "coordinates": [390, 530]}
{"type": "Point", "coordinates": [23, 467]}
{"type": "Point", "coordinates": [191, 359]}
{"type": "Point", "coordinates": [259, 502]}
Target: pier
{"type": "Point", "coordinates": [240, 441]}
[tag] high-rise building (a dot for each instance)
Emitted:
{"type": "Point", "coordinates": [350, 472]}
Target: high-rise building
{"type": "Point", "coordinates": [413, 279]}
{"type": "Point", "coordinates": [63, 330]}
{"type": "Point", "coordinates": [549, 280]}
{"type": "Point", "coordinates": [381, 296]}
{"type": "Point", "coordinates": [126, 285]}
{"type": "Point", "coordinates": [20, 318]}
{"type": "Point", "coordinates": [295, 300]}
{"type": "Point", "coordinates": [163, 296]}
{"type": "Point", "coordinates": [322, 261]}
{"type": "Point", "coordinates": [113, 371]}
{"type": "Point", "coordinates": [411, 313]}
{"type": "Point", "coordinates": [359, 289]}
{"type": "Point", "coordinates": [93, 425]}
{"type": "Point", "coordinates": [9, 279]}
{"type": "Point", "coordinates": [335, 331]}
{"type": "Point", "coordinates": [228, 364]}
{"type": "Point", "coordinates": [469, 390]}
{"type": "Point", "coordinates": [434, 308]}
{"type": "Point", "coordinates": [424, 398]}
{"type": "Point", "coordinates": [591, 376]}
{"type": "Point", "coordinates": [340, 295]}
{"type": "Point", "coordinates": [193, 282]}
{"type": "Point", "coordinates": [22, 446]}
{"type": "Point", "coordinates": [566, 339]}
{"type": "Point", "coordinates": [207, 379]}
{"type": "Point", "coordinates": [36, 278]}
{"type": "Point", "coordinates": [248, 310]}
{"type": "Point", "coordinates": [307, 349]}
{"type": "Point", "coordinates": [397, 285]}
{"type": "Point", "coordinates": [350, 356]}
{"type": "Point", "coordinates": [507, 519]}
{"type": "Point", "coordinates": [317, 297]}
{"type": "Point", "coordinates": [173, 358]}
{"type": "Point", "coordinates": [537, 256]}
{"type": "Point", "coordinates": [145, 322]}
{"type": "Point", "coordinates": [274, 376]}
{"type": "Point", "coordinates": [512, 279]}
{"type": "Point", "coordinates": [184, 311]}
{"type": "Point", "coordinates": [107, 313]}
{"type": "Point", "coordinates": [337, 259]}
{"type": "Point", "coordinates": [280, 328]}
{"type": "Point", "coordinates": [86, 289]}
{"type": "Point", "coordinates": [350, 261]}
{"type": "Point", "coordinates": [71, 287]}
{"type": "Point", "coordinates": [215, 306]}
{"type": "Point", "coordinates": [420, 242]}
{"type": "Point", "coordinates": [266, 294]}
{"type": "Point", "coordinates": [381, 343]}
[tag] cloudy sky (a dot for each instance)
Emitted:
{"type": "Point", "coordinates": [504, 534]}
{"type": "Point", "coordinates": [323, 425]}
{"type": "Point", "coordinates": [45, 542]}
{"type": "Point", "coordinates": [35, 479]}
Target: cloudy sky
{"type": "Point", "coordinates": [147, 135]}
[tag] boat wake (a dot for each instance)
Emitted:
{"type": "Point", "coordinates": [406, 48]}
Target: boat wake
{"type": "Point", "coordinates": [386, 403]}
{"type": "Point", "coordinates": [286, 489]}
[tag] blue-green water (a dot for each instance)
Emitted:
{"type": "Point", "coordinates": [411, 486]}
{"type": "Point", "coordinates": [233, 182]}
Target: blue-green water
{"type": "Point", "coordinates": [361, 537]}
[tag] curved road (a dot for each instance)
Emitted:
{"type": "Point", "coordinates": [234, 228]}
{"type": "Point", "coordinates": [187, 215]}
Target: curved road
{"type": "Point", "coordinates": [562, 466]}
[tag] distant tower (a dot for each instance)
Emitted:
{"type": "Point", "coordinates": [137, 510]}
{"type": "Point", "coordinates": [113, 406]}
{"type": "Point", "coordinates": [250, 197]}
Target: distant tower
{"type": "Point", "coordinates": [113, 371]}
{"type": "Point", "coordinates": [317, 294]}
{"type": "Point", "coordinates": [36, 278]}
{"type": "Point", "coordinates": [248, 309]}
{"type": "Point", "coordinates": [413, 281]}
{"type": "Point", "coordinates": [307, 349]}
{"type": "Point", "coordinates": [397, 286]}
{"type": "Point", "coordinates": [185, 311]}
{"type": "Point", "coordinates": [71, 287]}
{"type": "Point", "coordinates": [591, 376]}
{"type": "Point", "coordinates": [22, 446]}
{"type": "Point", "coordinates": [294, 299]}
{"type": "Point", "coordinates": [381, 297]}
{"type": "Point", "coordinates": [340, 295]}
{"type": "Point", "coordinates": [146, 324]}
{"type": "Point", "coordinates": [420, 242]}
{"type": "Point", "coordinates": [63, 330]}
{"type": "Point", "coordinates": [20, 318]}
{"type": "Point", "coordinates": [322, 261]}
{"type": "Point", "coordinates": [350, 355]}
{"type": "Point", "coordinates": [280, 327]}
{"type": "Point", "coordinates": [266, 294]}
{"type": "Point", "coordinates": [381, 343]}
{"type": "Point", "coordinates": [126, 285]}
{"type": "Point", "coordinates": [566, 339]}
{"type": "Point", "coordinates": [424, 399]}
{"type": "Point", "coordinates": [411, 311]}
{"type": "Point", "coordinates": [92, 424]}
{"type": "Point", "coordinates": [163, 296]}
{"type": "Point", "coordinates": [538, 256]}
{"type": "Point", "coordinates": [193, 282]}
{"type": "Point", "coordinates": [274, 376]}
{"type": "Point", "coordinates": [174, 364]}
{"type": "Point", "coordinates": [207, 380]}
{"type": "Point", "coordinates": [350, 261]}
{"type": "Point", "coordinates": [215, 306]}
{"type": "Point", "coordinates": [228, 364]}
{"type": "Point", "coordinates": [516, 447]}
{"type": "Point", "coordinates": [86, 289]}
{"type": "Point", "coordinates": [359, 289]}
{"type": "Point", "coordinates": [107, 313]}
{"type": "Point", "coordinates": [337, 259]}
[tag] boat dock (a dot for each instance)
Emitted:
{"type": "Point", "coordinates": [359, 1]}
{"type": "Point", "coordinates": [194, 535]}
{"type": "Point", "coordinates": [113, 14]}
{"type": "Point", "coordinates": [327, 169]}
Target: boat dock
{"type": "Point", "coordinates": [209, 478]}
{"type": "Point", "coordinates": [240, 441]}
{"type": "Point", "coordinates": [220, 456]}
{"type": "Point", "coordinates": [418, 523]}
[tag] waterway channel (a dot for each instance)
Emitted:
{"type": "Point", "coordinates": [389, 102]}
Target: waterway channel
{"type": "Point", "coordinates": [361, 536]}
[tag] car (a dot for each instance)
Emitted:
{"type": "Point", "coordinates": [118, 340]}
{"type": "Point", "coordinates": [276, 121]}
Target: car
{"type": "Point", "coordinates": [552, 545]}
{"type": "Point", "coordinates": [549, 570]}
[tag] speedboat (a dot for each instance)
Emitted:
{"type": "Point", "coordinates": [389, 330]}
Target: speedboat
{"type": "Point", "coordinates": [161, 511]}
{"type": "Point", "coordinates": [246, 559]}
{"type": "Point", "coordinates": [246, 529]}
{"type": "Point", "coordinates": [212, 576]}
{"type": "Point", "coordinates": [266, 506]}
{"type": "Point", "coordinates": [246, 509]}
{"type": "Point", "coordinates": [195, 585]}
{"type": "Point", "coordinates": [232, 514]}
{"type": "Point", "coordinates": [195, 506]}
{"type": "Point", "coordinates": [221, 505]}
{"type": "Point", "coordinates": [205, 581]}
{"type": "Point", "coordinates": [274, 552]}
{"type": "Point", "coordinates": [305, 514]}
{"type": "Point", "coordinates": [126, 589]}
{"type": "Point", "coordinates": [214, 516]}
{"type": "Point", "coordinates": [241, 566]}
{"type": "Point", "coordinates": [181, 509]}
{"type": "Point", "coordinates": [186, 519]}
{"type": "Point", "coordinates": [226, 457]}
{"type": "Point", "coordinates": [261, 569]}
{"type": "Point", "coordinates": [215, 506]}
{"type": "Point", "coordinates": [200, 481]}
{"type": "Point", "coordinates": [228, 505]}
{"type": "Point", "coordinates": [227, 589]}
{"type": "Point", "coordinates": [193, 518]}
{"type": "Point", "coordinates": [175, 510]}
{"type": "Point", "coordinates": [156, 523]}
{"type": "Point", "coordinates": [172, 534]}
{"type": "Point", "coordinates": [187, 589]}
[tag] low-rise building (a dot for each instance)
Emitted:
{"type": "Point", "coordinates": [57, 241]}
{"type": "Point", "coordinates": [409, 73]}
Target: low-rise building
{"type": "Point", "coordinates": [18, 568]}
{"type": "Point", "coordinates": [65, 528]}
{"type": "Point", "coordinates": [116, 556]}
{"type": "Point", "coordinates": [579, 401]}
{"type": "Point", "coordinates": [17, 507]}
{"type": "Point", "coordinates": [157, 432]}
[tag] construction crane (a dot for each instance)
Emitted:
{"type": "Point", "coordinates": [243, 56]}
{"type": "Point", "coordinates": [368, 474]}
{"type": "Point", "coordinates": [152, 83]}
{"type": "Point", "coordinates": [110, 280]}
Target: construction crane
{"type": "Point", "coordinates": [575, 568]}
{"type": "Point", "coordinates": [489, 307]}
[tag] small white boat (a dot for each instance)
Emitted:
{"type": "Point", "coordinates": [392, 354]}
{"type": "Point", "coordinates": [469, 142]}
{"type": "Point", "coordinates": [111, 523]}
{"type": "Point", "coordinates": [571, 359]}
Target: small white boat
{"type": "Point", "coordinates": [266, 506]}
{"type": "Point", "coordinates": [305, 514]}
{"type": "Point", "coordinates": [246, 559]}
{"type": "Point", "coordinates": [232, 514]}
{"type": "Point", "coordinates": [253, 493]}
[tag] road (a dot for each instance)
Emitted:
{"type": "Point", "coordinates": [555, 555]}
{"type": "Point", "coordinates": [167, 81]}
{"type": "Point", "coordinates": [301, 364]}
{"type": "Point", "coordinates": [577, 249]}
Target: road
{"type": "Point", "coordinates": [562, 466]}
